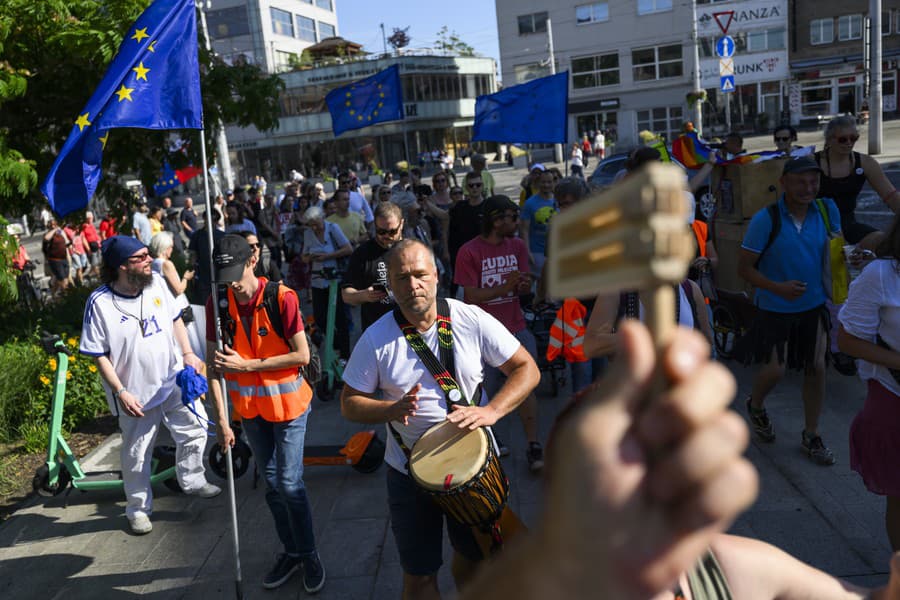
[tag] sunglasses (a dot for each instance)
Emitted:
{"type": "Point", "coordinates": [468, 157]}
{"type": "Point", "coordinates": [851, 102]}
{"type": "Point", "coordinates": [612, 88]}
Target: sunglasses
{"type": "Point", "coordinates": [783, 139]}
{"type": "Point", "coordinates": [254, 246]}
{"type": "Point", "coordinates": [474, 185]}
{"type": "Point", "coordinates": [139, 257]}
{"type": "Point", "coordinates": [391, 232]}
{"type": "Point", "coordinates": [848, 139]}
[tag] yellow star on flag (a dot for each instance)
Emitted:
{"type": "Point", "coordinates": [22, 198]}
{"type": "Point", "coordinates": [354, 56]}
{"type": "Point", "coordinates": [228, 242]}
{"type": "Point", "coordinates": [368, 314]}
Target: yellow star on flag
{"type": "Point", "coordinates": [359, 118]}
{"type": "Point", "coordinates": [380, 104]}
{"type": "Point", "coordinates": [140, 34]}
{"type": "Point", "coordinates": [140, 72]}
{"type": "Point", "coordinates": [104, 139]}
{"type": "Point", "coordinates": [82, 121]}
{"type": "Point", "coordinates": [152, 46]}
{"type": "Point", "coordinates": [381, 95]}
{"type": "Point", "coordinates": [349, 95]}
{"type": "Point", "coordinates": [347, 103]}
{"type": "Point", "coordinates": [125, 92]}
{"type": "Point", "coordinates": [374, 113]}
{"type": "Point", "coordinates": [370, 117]}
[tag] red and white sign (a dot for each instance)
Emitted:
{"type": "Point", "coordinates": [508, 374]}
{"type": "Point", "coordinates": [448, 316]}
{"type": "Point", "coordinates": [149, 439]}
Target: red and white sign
{"type": "Point", "coordinates": [724, 19]}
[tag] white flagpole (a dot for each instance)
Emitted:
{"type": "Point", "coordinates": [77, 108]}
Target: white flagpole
{"type": "Point", "coordinates": [238, 585]}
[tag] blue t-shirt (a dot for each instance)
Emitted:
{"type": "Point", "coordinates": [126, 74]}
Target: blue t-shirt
{"type": "Point", "coordinates": [537, 212]}
{"type": "Point", "coordinates": [797, 255]}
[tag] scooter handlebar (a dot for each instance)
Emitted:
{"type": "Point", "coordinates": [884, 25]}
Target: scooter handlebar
{"type": "Point", "coordinates": [53, 344]}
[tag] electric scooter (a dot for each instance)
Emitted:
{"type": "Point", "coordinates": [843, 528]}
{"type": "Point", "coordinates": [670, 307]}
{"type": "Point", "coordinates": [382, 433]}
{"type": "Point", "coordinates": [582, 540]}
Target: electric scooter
{"type": "Point", "coordinates": [332, 365]}
{"type": "Point", "coordinates": [62, 468]}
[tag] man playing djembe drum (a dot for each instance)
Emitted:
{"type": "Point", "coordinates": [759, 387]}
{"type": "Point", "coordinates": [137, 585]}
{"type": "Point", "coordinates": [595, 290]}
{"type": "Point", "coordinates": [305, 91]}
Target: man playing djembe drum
{"type": "Point", "coordinates": [387, 381]}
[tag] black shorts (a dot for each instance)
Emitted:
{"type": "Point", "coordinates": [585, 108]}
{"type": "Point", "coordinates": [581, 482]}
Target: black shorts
{"type": "Point", "coordinates": [418, 524]}
{"type": "Point", "coordinates": [59, 269]}
{"type": "Point", "coordinates": [792, 336]}
{"type": "Point", "coordinates": [854, 231]}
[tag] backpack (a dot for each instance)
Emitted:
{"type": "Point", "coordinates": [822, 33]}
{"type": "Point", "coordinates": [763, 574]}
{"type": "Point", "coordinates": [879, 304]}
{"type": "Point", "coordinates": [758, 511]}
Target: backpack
{"type": "Point", "coordinates": [312, 371]}
{"type": "Point", "coordinates": [775, 216]}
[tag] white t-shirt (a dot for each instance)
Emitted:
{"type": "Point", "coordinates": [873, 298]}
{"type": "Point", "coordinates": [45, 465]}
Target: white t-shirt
{"type": "Point", "coordinates": [577, 157]}
{"type": "Point", "coordinates": [145, 362]}
{"type": "Point", "coordinates": [384, 360]}
{"type": "Point", "coordinates": [873, 307]}
{"type": "Point", "coordinates": [181, 300]}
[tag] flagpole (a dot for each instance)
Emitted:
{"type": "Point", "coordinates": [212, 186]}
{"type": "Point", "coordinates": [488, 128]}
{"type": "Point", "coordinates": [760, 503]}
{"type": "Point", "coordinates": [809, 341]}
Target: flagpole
{"type": "Point", "coordinates": [210, 224]}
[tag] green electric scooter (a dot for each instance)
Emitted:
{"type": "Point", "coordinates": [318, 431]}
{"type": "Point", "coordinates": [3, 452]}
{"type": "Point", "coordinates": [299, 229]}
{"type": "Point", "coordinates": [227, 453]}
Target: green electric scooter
{"type": "Point", "coordinates": [332, 364]}
{"type": "Point", "coordinates": [62, 468]}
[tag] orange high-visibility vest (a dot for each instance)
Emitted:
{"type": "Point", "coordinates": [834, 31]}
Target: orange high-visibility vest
{"type": "Point", "coordinates": [278, 395]}
{"type": "Point", "coordinates": [567, 332]}
{"type": "Point", "coordinates": [701, 231]}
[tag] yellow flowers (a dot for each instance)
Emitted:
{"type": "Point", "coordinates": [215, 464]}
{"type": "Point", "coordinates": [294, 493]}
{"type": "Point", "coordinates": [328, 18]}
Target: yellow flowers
{"type": "Point", "coordinates": [45, 380]}
{"type": "Point", "coordinates": [52, 364]}
{"type": "Point", "coordinates": [92, 368]}
{"type": "Point", "coordinates": [72, 342]}
{"type": "Point", "coordinates": [68, 375]}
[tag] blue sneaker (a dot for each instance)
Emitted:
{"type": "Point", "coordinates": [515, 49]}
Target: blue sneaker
{"type": "Point", "coordinates": [285, 567]}
{"type": "Point", "coordinates": [313, 574]}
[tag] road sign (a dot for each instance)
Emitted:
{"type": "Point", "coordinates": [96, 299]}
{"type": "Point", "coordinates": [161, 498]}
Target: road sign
{"type": "Point", "coordinates": [726, 66]}
{"type": "Point", "coordinates": [725, 46]}
{"type": "Point", "coordinates": [727, 83]}
{"type": "Point", "coordinates": [724, 19]}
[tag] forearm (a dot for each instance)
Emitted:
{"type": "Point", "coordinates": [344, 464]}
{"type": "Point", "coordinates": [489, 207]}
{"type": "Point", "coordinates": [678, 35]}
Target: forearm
{"type": "Point", "coordinates": [360, 408]}
{"type": "Point", "coordinates": [520, 382]}
{"type": "Point", "coordinates": [220, 415]}
{"type": "Point", "coordinates": [866, 350]}
{"type": "Point", "coordinates": [353, 296]}
{"type": "Point", "coordinates": [752, 275]}
{"type": "Point", "coordinates": [108, 373]}
{"type": "Point", "coordinates": [598, 344]}
{"type": "Point", "coordinates": [181, 337]}
{"type": "Point", "coordinates": [474, 295]}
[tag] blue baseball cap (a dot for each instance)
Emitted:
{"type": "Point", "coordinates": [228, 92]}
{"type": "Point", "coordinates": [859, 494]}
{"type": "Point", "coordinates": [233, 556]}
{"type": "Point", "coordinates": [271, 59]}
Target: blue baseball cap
{"type": "Point", "coordinates": [117, 249]}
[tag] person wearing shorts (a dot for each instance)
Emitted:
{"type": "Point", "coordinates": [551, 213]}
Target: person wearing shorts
{"type": "Point", "coordinates": [492, 269]}
{"type": "Point", "coordinates": [386, 382]}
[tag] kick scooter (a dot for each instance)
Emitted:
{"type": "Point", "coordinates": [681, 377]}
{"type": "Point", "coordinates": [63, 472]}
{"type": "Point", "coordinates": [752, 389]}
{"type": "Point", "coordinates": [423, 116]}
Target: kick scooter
{"type": "Point", "coordinates": [62, 468]}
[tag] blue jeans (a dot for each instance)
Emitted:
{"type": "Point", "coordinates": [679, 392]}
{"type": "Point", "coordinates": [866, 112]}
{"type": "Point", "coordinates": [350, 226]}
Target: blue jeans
{"type": "Point", "coordinates": [278, 451]}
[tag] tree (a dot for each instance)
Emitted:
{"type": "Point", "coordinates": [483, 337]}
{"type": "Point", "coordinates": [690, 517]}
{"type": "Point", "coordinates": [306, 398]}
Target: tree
{"type": "Point", "coordinates": [400, 38]}
{"type": "Point", "coordinates": [62, 49]}
{"type": "Point", "coordinates": [449, 42]}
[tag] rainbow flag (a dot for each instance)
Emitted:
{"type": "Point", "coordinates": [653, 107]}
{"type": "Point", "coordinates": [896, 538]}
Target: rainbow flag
{"type": "Point", "coordinates": [755, 157]}
{"type": "Point", "coordinates": [690, 150]}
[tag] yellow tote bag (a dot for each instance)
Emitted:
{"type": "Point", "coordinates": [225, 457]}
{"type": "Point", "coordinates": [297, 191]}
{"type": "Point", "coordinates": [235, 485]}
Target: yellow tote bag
{"type": "Point", "coordinates": [835, 276]}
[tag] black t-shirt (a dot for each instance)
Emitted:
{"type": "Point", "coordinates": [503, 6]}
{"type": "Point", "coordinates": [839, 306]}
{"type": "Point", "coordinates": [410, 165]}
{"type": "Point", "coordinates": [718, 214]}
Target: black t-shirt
{"type": "Point", "coordinates": [465, 224]}
{"type": "Point", "coordinates": [368, 266]}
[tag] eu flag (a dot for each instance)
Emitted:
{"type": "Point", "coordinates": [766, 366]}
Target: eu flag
{"type": "Point", "coordinates": [375, 99]}
{"type": "Point", "coordinates": [153, 83]}
{"type": "Point", "coordinates": [534, 112]}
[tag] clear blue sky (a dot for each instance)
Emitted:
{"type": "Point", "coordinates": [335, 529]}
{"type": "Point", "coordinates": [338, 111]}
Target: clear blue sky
{"type": "Point", "coordinates": [475, 21]}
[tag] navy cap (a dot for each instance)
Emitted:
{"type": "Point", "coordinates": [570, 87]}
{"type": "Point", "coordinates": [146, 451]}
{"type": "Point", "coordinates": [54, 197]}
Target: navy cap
{"type": "Point", "coordinates": [801, 165]}
{"type": "Point", "coordinates": [117, 249]}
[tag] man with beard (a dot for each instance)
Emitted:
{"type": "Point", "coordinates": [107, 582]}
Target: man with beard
{"type": "Point", "coordinates": [133, 329]}
{"type": "Point", "coordinates": [366, 280]}
{"type": "Point", "coordinates": [387, 382]}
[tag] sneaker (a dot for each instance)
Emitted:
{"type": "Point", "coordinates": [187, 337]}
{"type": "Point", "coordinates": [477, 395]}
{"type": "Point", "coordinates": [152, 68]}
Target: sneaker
{"type": "Point", "coordinates": [313, 574]}
{"type": "Point", "coordinates": [759, 420]}
{"type": "Point", "coordinates": [208, 490]}
{"type": "Point", "coordinates": [844, 364]}
{"type": "Point", "coordinates": [535, 456]}
{"type": "Point", "coordinates": [817, 450]}
{"type": "Point", "coordinates": [285, 566]}
{"type": "Point", "coordinates": [140, 524]}
{"type": "Point", "coordinates": [502, 449]}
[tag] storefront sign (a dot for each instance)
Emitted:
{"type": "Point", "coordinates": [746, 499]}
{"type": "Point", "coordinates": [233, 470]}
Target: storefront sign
{"type": "Point", "coordinates": [750, 14]}
{"type": "Point", "coordinates": [748, 68]}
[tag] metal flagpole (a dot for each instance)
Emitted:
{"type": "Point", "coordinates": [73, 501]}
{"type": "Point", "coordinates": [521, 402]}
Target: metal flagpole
{"type": "Point", "coordinates": [876, 90]}
{"type": "Point", "coordinates": [238, 584]}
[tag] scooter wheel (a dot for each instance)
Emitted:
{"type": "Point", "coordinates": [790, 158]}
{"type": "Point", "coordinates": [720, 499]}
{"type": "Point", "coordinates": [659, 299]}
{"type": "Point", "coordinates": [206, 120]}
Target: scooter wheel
{"type": "Point", "coordinates": [372, 457]}
{"type": "Point", "coordinates": [240, 459]}
{"type": "Point", "coordinates": [165, 457]}
{"type": "Point", "coordinates": [40, 483]}
{"type": "Point", "coordinates": [324, 391]}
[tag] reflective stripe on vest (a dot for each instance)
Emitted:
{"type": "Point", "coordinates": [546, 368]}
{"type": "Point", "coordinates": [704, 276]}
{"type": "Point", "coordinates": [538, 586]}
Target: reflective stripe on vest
{"type": "Point", "coordinates": [276, 395]}
{"type": "Point", "coordinates": [567, 332]}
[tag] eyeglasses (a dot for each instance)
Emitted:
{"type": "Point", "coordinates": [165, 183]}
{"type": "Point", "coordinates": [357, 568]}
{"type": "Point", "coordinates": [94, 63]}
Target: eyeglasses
{"type": "Point", "coordinates": [254, 246]}
{"type": "Point", "coordinates": [474, 185]}
{"type": "Point", "coordinates": [782, 139]}
{"type": "Point", "coordinates": [139, 257]}
{"type": "Point", "coordinates": [390, 232]}
{"type": "Point", "coordinates": [848, 138]}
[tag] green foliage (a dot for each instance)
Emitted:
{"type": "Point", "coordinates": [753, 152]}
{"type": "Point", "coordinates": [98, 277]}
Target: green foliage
{"type": "Point", "coordinates": [8, 249]}
{"type": "Point", "coordinates": [449, 42]}
{"type": "Point", "coordinates": [65, 314]}
{"type": "Point", "coordinates": [34, 436]}
{"type": "Point", "coordinates": [17, 385]}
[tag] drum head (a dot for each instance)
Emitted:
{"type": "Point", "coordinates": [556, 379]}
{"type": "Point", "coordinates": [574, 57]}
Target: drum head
{"type": "Point", "coordinates": [447, 457]}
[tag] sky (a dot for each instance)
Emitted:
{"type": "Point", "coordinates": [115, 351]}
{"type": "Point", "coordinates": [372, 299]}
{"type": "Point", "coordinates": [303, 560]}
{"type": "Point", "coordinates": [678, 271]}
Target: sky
{"type": "Point", "coordinates": [474, 21]}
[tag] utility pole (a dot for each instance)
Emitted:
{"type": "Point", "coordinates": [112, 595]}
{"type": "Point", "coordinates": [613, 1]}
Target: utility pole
{"type": "Point", "coordinates": [698, 83]}
{"type": "Point", "coordinates": [557, 148]}
{"type": "Point", "coordinates": [223, 160]}
{"type": "Point", "coordinates": [875, 87]}
{"type": "Point", "coordinates": [383, 39]}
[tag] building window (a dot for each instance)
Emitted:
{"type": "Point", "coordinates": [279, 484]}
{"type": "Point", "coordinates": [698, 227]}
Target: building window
{"type": "Point", "coordinates": [282, 23]}
{"type": "Point", "coordinates": [326, 4]}
{"type": "Point", "coordinates": [660, 62]}
{"type": "Point", "coordinates": [821, 31]}
{"type": "Point", "coordinates": [744, 42]}
{"type": "Point", "coordinates": [531, 71]}
{"type": "Point", "coordinates": [896, 18]}
{"type": "Point", "coordinates": [602, 121]}
{"type": "Point", "coordinates": [533, 23]}
{"type": "Point", "coordinates": [227, 22]}
{"type": "Point", "coordinates": [666, 121]}
{"type": "Point", "coordinates": [849, 28]}
{"type": "Point", "coordinates": [592, 13]}
{"type": "Point", "coordinates": [646, 7]}
{"type": "Point", "coordinates": [815, 98]}
{"type": "Point", "coordinates": [306, 29]}
{"type": "Point", "coordinates": [595, 71]}
{"type": "Point", "coordinates": [283, 60]}
{"type": "Point", "coordinates": [326, 30]}
{"type": "Point", "coordinates": [885, 22]}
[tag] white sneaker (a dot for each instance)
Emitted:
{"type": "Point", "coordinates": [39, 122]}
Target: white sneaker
{"type": "Point", "coordinates": [140, 524]}
{"type": "Point", "coordinates": [208, 490]}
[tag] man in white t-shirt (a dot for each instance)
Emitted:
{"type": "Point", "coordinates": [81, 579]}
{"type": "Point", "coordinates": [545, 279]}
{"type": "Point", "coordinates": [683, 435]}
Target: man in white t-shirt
{"type": "Point", "coordinates": [133, 329]}
{"type": "Point", "coordinates": [386, 382]}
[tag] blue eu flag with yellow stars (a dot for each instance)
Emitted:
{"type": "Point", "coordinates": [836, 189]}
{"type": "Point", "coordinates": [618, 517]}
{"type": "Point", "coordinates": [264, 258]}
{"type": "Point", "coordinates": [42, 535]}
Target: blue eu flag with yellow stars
{"type": "Point", "coordinates": [372, 100]}
{"type": "Point", "coordinates": [534, 112]}
{"type": "Point", "coordinates": [152, 83]}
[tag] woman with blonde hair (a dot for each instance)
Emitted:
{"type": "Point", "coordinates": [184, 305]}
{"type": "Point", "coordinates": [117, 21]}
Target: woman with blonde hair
{"type": "Point", "coordinates": [161, 246]}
